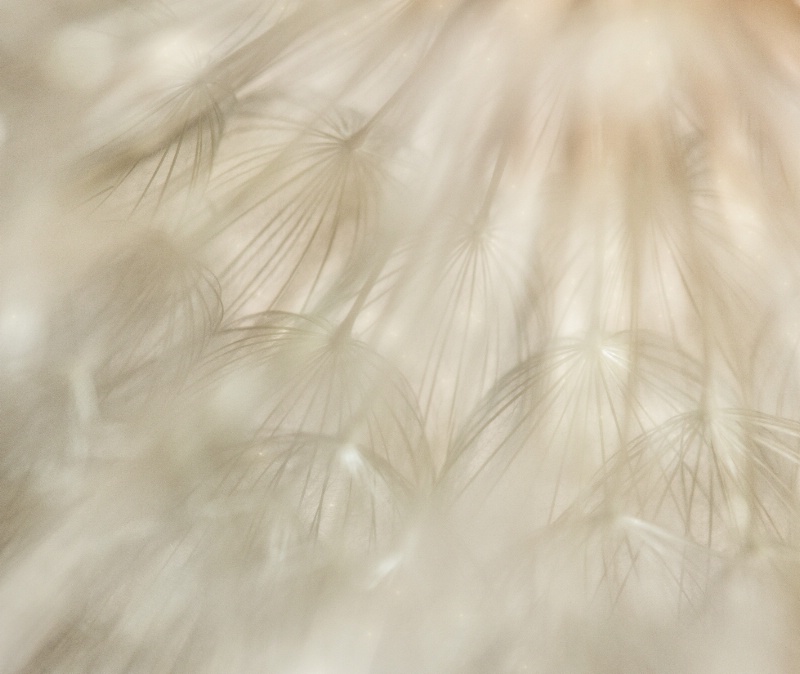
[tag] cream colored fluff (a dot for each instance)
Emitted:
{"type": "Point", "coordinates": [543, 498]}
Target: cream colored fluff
{"type": "Point", "coordinates": [399, 336]}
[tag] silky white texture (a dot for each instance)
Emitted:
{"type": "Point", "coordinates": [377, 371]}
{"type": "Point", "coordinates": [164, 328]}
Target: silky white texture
{"type": "Point", "coordinates": [399, 335]}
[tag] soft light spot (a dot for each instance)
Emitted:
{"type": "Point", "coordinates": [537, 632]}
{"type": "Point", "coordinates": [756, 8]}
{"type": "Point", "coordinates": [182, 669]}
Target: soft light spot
{"type": "Point", "coordinates": [181, 56]}
{"type": "Point", "coordinates": [351, 459]}
{"type": "Point", "coordinates": [21, 331]}
{"type": "Point", "coordinates": [629, 62]}
{"type": "Point", "coordinates": [80, 57]}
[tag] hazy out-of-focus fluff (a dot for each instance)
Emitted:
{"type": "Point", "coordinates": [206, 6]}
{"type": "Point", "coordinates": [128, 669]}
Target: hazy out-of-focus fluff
{"type": "Point", "coordinates": [392, 336]}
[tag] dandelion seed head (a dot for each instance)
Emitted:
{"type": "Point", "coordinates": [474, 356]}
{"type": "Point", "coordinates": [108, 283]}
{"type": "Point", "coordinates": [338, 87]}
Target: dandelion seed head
{"type": "Point", "coordinates": [420, 335]}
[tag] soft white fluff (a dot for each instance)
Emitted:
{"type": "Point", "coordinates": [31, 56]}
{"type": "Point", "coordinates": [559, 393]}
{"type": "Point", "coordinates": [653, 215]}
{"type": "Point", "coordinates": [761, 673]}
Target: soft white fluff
{"type": "Point", "coordinates": [399, 336]}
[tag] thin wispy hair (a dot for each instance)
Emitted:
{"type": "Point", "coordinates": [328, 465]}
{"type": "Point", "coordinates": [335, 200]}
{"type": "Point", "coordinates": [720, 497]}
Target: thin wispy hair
{"type": "Point", "coordinates": [399, 335]}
